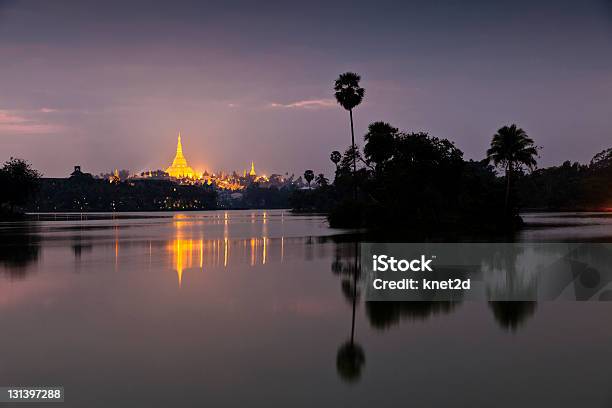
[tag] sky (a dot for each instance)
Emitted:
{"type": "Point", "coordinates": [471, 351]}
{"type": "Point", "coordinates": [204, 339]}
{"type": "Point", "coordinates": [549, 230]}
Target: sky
{"type": "Point", "coordinates": [109, 84]}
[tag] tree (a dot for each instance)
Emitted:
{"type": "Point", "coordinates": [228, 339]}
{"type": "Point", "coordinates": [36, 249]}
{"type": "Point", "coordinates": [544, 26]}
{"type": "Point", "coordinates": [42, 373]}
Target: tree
{"type": "Point", "coordinates": [349, 94]}
{"type": "Point", "coordinates": [380, 144]}
{"type": "Point", "coordinates": [601, 160]}
{"type": "Point", "coordinates": [512, 149]}
{"type": "Point", "coordinates": [321, 180]}
{"type": "Point", "coordinates": [335, 157]}
{"type": "Point", "coordinates": [18, 180]}
{"type": "Point", "coordinates": [351, 155]}
{"type": "Point", "coordinates": [309, 176]}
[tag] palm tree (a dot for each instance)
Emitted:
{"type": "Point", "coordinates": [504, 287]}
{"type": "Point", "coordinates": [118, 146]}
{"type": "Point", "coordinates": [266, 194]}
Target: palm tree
{"type": "Point", "coordinates": [309, 176]}
{"type": "Point", "coordinates": [512, 149]}
{"type": "Point", "coordinates": [349, 94]}
{"type": "Point", "coordinates": [335, 157]}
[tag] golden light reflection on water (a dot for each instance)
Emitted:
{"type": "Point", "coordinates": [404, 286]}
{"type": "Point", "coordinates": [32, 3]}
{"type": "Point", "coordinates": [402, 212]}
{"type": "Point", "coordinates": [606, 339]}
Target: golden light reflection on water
{"type": "Point", "coordinates": [187, 253]}
{"type": "Point", "coordinates": [116, 246]}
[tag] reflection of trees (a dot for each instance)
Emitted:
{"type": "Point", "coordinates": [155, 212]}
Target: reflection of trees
{"type": "Point", "coordinates": [501, 263]}
{"type": "Point", "coordinates": [351, 357]}
{"type": "Point", "coordinates": [350, 361]}
{"type": "Point", "coordinates": [19, 247]}
{"type": "Point", "coordinates": [347, 266]}
{"type": "Point", "coordinates": [383, 315]}
{"type": "Point", "coordinates": [511, 315]}
{"type": "Point", "coordinates": [78, 247]}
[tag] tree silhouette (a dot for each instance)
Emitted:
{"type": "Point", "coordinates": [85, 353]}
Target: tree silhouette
{"type": "Point", "coordinates": [335, 157]}
{"type": "Point", "coordinates": [349, 94]}
{"type": "Point", "coordinates": [512, 149]}
{"type": "Point", "coordinates": [309, 176]}
{"type": "Point", "coordinates": [18, 180]}
{"type": "Point", "coordinates": [351, 155]}
{"type": "Point", "coordinates": [321, 180]}
{"type": "Point", "coordinates": [380, 144]}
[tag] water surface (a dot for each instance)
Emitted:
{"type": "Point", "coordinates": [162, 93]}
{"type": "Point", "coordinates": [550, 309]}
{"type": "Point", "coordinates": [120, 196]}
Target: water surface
{"type": "Point", "coordinates": [255, 308]}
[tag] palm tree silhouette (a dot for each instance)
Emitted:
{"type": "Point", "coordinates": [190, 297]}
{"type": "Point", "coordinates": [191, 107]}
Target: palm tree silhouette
{"type": "Point", "coordinates": [511, 149]}
{"type": "Point", "coordinates": [309, 176]}
{"type": "Point", "coordinates": [349, 94]}
{"type": "Point", "coordinates": [335, 157]}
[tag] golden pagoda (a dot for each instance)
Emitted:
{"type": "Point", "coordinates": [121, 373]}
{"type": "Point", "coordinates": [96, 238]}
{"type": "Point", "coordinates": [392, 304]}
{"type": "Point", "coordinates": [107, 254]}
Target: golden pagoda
{"type": "Point", "coordinates": [179, 167]}
{"type": "Point", "coordinates": [252, 172]}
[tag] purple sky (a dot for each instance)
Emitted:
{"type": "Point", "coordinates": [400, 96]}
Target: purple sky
{"type": "Point", "coordinates": [106, 85]}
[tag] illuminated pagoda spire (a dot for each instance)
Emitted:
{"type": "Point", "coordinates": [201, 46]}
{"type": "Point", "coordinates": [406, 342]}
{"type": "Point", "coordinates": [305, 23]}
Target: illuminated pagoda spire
{"type": "Point", "coordinates": [179, 167]}
{"type": "Point", "coordinates": [252, 172]}
{"type": "Point", "coordinates": [179, 147]}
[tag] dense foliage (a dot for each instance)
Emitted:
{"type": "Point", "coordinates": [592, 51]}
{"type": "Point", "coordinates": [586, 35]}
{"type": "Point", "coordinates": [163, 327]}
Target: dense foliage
{"type": "Point", "coordinates": [18, 182]}
{"type": "Point", "coordinates": [419, 181]}
{"type": "Point", "coordinates": [408, 180]}
{"type": "Point", "coordinates": [571, 186]}
{"type": "Point", "coordinates": [257, 197]}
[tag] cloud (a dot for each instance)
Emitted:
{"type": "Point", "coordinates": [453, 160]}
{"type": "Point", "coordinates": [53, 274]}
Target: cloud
{"type": "Point", "coordinates": [15, 123]}
{"type": "Point", "coordinates": [307, 104]}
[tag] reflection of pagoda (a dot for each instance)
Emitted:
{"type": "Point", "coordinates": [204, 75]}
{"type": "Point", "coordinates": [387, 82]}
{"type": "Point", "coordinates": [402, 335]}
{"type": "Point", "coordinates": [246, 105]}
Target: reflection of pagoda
{"type": "Point", "coordinates": [179, 167]}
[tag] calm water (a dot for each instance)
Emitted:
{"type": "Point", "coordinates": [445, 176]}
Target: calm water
{"type": "Point", "coordinates": [255, 308]}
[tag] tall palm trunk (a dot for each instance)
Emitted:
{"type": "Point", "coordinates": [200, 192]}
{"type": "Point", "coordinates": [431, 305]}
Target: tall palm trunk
{"type": "Point", "coordinates": [354, 157]}
{"type": "Point", "coordinates": [355, 266]}
{"type": "Point", "coordinates": [353, 143]}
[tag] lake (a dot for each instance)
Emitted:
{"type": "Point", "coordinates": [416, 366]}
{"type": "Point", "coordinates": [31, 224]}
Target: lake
{"type": "Point", "coordinates": [255, 308]}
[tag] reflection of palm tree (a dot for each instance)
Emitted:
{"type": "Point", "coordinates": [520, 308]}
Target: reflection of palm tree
{"type": "Point", "coordinates": [511, 149]}
{"type": "Point", "coordinates": [351, 357]}
{"type": "Point", "coordinates": [516, 284]}
{"type": "Point", "coordinates": [350, 361]}
{"type": "Point", "coordinates": [510, 315]}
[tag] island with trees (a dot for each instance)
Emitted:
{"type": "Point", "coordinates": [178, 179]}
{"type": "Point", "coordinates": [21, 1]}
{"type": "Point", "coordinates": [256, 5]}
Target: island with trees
{"type": "Point", "coordinates": [402, 179]}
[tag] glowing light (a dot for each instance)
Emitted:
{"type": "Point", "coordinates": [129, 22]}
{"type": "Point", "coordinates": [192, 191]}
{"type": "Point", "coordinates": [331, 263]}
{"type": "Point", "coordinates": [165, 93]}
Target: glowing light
{"type": "Point", "coordinates": [186, 254]}
{"type": "Point", "coordinates": [182, 256]}
{"type": "Point", "coordinates": [253, 258]}
{"type": "Point", "coordinates": [225, 250]}
{"type": "Point", "coordinates": [201, 254]}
